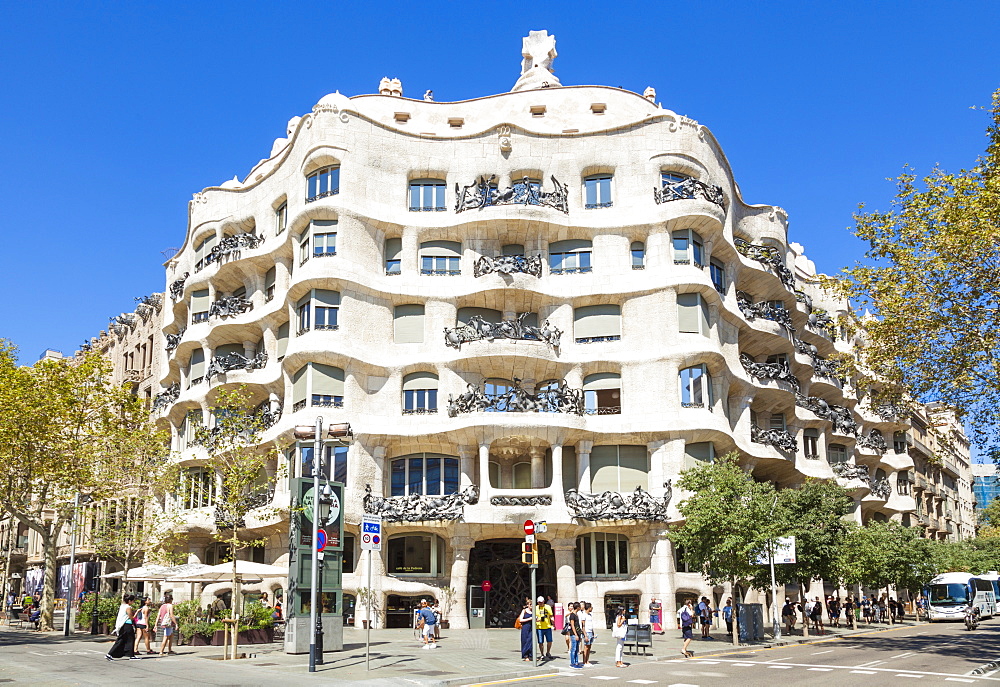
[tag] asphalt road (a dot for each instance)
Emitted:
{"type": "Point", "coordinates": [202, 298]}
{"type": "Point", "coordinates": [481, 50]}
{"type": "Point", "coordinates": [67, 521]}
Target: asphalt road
{"type": "Point", "coordinates": [934, 654]}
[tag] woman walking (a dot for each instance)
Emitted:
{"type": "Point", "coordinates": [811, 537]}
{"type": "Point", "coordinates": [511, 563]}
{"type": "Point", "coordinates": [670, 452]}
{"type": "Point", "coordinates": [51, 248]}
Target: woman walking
{"type": "Point", "coordinates": [575, 635]}
{"type": "Point", "coordinates": [142, 630]}
{"type": "Point", "coordinates": [125, 644]}
{"type": "Point", "coordinates": [687, 627]}
{"type": "Point", "coordinates": [166, 619]}
{"type": "Point", "coordinates": [526, 639]}
{"type": "Point", "coordinates": [589, 632]}
{"type": "Point", "coordinates": [619, 632]}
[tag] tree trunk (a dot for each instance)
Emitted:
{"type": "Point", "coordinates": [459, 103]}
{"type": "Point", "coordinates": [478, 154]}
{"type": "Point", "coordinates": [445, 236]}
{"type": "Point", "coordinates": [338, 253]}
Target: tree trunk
{"type": "Point", "coordinates": [805, 616]}
{"type": "Point", "coordinates": [736, 604]}
{"type": "Point", "coordinates": [50, 549]}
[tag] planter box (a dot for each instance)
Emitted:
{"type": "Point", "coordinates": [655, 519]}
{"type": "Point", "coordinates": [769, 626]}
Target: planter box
{"type": "Point", "coordinates": [264, 636]}
{"type": "Point", "coordinates": [218, 638]}
{"type": "Point", "coordinates": [201, 640]}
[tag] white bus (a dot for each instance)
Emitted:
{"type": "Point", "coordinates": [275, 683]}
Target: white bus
{"type": "Point", "coordinates": [948, 594]}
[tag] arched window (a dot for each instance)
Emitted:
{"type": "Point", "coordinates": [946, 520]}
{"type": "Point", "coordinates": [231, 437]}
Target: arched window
{"type": "Point", "coordinates": [696, 387]}
{"type": "Point", "coordinates": [418, 555]}
{"type": "Point", "coordinates": [427, 195]}
{"type": "Point", "coordinates": [570, 257]}
{"type": "Point", "coordinates": [393, 256]}
{"type": "Point", "coordinates": [618, 468]}
{"type": "Point", "coordinates": [692, 314]}
{"type": "Point", "coordinates": [638, 250]}
{"type": "Point", "coordinates": [522, 475]}
{"type": "Point", "coordinates": [441, 258]}
{"type": "Point", "coordinates": [424, 473]}
{"type": "Point", "coordinates": [322, 183]}
{"type": "Point", "coordinates": [420, 393]}
{"type": "Point", "coordinates": [602, 393]}
{"type": "Point", "coordinates": [688, 248]}
{"type": "Point", "coordinates": [597, 191]}
{"type": "Point", "coordinates": [596, 323]}
{"type": "Point", "coordinates": [602, 554]}
{"type": "Point", "coordinates": [320, 385]}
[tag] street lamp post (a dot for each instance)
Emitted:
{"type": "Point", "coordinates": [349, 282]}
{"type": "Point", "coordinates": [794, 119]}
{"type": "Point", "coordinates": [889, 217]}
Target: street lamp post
{"type": "Point", "coordinates": [315, 618]}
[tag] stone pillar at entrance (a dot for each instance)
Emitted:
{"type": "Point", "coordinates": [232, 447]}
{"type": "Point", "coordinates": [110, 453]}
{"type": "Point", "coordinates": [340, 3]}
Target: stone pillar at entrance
{"type": "Point", "coordinates": [458, 615]}
{"type": "Point", "coordinates": [565, 574]}
{"type": "Point", "coordinates": [484, 472]}
{"type": "Point", "coordinates": [537, 454]}
{"type": "Point", "coordinates": [583, 465]}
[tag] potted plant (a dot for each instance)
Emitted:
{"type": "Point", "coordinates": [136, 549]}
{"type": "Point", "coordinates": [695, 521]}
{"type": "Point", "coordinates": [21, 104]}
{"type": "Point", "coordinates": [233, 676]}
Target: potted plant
{"type": "Point", "coordinates": [446, 598]}
{"type": "Point", "coordinates": [256, 624]}
{"type": "Point", "coordinates": [369, 599]}
{"type": "Point", "coordinates": [198, 633]}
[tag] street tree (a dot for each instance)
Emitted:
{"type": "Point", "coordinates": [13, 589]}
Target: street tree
{"type": "Point", "coordinates": [932, 282]}
{"type": "Point", "coordinates": [728, 520]}
{"type": "Point", "coordinates": [66, 430]}
{"type": "Point", "coordinates": [881, 554]}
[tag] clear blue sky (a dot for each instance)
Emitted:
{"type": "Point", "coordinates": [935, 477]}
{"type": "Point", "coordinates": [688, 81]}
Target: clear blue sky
{"type": "Point", "coordinates": [113, 114]}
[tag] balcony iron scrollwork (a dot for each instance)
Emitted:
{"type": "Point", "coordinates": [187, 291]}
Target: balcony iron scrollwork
{"type": "Point", "coordinates": [269, 412]}
{"type": "Point", "coordinates": [232, 246]}
{"type": "Point", "coordinates": [174, 340]}
{"type": "Point", "coordinates": [781, 440]}
{"type": "Point", "coordinates": [764, 310]}
{"type": "Point", "coordinates": [163, 399]}
{"type": "Point", "coordinates": [822, 367]}
{"type": "Point", "coordinates": [848, 472]}
{"type": "Point", "coordinates": [892, 411]}
{"type": "Point", "coordinates": [230, 306]}
{"type": "Point", "coordinates": [820, 320]}
{"type": "Point", "coordinates": [873, 440]}
{"type": "Point", "coordinates": [226, 520]}
{"type": "Point", "coordinates": [147, 305]}
{"type": "Point", "coordinates": [689, 189]}
{"type": "Point", "coordinates": [508, 264]}
{"type": "Point", "coordinates": [770, 258]}
{"type": "Point", "coordinates": [177, 286]}
{"type": "Point", "coordinates": [843, 422]}
{"type": "Point", "coordinates": [521, 501]}
{"type": "Point", "coordinates": [479, 329]}
{"type": "Point", "coordinates": [235, 361]}
{"type": "Point", "coordinates": [780, 372]}
{"type": "Point", "coordinates": [881, 489]}
{"type": "Point", "coordinates": [517, 400]}
{"type": "Point", "coordinates": [612, 505]}
{"type": "Point", "coordinates": [419, 507]}
{"type": "Point", "coordinates": [484, 193]}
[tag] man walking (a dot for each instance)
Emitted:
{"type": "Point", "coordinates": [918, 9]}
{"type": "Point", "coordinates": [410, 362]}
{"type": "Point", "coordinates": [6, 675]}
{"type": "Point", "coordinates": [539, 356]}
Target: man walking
{"type": "Point", "coordinates": [543, 628]}
{"type": "Point", "coordinates": [788, 615]}
{"type": "Point", "coordinates": [705, 613]}
{"type": "Point", "coordinates": [426, 622]}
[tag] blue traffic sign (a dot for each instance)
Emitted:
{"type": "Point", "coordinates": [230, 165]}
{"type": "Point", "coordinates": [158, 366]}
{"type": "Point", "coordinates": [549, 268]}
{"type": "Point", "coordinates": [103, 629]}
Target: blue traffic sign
{"type": "Point", "coordinates": [320, 540]}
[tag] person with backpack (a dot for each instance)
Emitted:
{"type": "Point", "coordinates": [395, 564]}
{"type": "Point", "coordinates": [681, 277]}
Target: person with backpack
{"type": "Point", "coordinates": [687, 627]}
{"type": "Point", "coordinates": [788, 615]}
{"type": "Point", "coordinates": [705, 614]}
{"type": "Point", "coordinates": [817, 616]}
{"type": "Point", "coordinates": [142, 628]}
{"type": "Point", "coordinates": [166, 619]}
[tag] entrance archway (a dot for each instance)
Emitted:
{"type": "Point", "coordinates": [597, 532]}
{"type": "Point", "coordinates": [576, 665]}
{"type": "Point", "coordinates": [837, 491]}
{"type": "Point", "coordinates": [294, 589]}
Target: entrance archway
{"type": "Point", "coordinates": [499, 561]}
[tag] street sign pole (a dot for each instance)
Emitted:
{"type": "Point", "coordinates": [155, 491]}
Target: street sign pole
{"type": "Point", "coordinates": [774, 593]}
{"type": "Point", "coordinates": [371, 541]}
{"type": "Point", "coordinates": [368, 625]}
{"type": "Point", "coordinates": [314, 616]}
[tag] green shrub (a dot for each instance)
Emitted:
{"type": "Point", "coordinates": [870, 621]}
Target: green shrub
{"type": "Point", "coordinates": [256, 616]}
{"type": "Point", "coordinates": [201, 627]}
{"type": "Point", "coordinates": [107, 609]}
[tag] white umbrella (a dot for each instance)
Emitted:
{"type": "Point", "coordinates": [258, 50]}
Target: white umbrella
{"type": "Point", "coordinates": [156, 573]}
{"type": "Point", "coordinates": [246, 571]}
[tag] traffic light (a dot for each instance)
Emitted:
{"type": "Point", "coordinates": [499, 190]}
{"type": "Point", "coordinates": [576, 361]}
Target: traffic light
{"type": "Point", "coordinates": [529, 554]}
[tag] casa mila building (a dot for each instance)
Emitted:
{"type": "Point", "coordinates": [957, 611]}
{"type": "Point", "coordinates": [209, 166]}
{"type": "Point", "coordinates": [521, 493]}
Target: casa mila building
{"type": "Point", "coordinates": [543, 304]}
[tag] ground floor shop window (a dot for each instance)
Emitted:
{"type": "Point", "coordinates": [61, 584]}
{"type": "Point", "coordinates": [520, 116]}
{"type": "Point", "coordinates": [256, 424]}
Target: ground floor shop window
{"type": "Point", "coordinates": [415, 554]}
{"type": "Point", "coordinates": [612, 602]}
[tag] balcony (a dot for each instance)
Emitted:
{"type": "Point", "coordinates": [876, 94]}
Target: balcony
{"type": "Point", "coordinates": [177, 287]}
{"type": "Point", "coordinates": [235, 361]}
{"type": "Point", "coordinates": [763, 310]}
{"type": "Point", "coordinates": [484, 193]}
{"type": "Point", "coordinates": [778, 371]}
{"type": "Point", "coordinates": [881, 489]}
{"type": "Point", "coordinates": [479, 329]}
{"type": "Point", "coordinates": [689, 189]}
{"type": "Point", "coordinates": [229, 306]}
{"type": "Point", "coordinates": [165, 399]}
{"type": "Point", "coordinates": [508, 264]}
{"type": "Point", "coordinates": [779, 439]}
{"type": "Point", "coordinates": [420, 508]}
{"type": "Point", "coordinates": [517, 400]}
{"type": "Point", "coordinates": [770, 259]}
{"type": "Point", "coordinates": [843, 422]}
{"type": "Point", "coordinates": [846, 471]}
{"type": "Point", "coordinates": [637, 505]}
{"type": "Point", "coordinates": [230, 247]}
{"type": "Point", "coordinates": [874, 441]}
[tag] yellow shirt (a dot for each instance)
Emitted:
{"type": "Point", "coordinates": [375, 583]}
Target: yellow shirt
{"type": "Point", "coordinates": [543, 617]}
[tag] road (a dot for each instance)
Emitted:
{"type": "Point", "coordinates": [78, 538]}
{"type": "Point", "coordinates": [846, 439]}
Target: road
{"type": "Point", "coordinates": [936, 654]}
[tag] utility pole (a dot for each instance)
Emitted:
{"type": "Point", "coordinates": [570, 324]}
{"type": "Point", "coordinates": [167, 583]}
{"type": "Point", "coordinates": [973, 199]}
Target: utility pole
{"type": "Point", "coordinates": [314, 616]}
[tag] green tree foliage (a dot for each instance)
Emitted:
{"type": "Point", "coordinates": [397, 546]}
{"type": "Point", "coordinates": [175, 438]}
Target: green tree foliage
{"type": "Point", "coordinates": [886, 553]}
{"type": "Point", "coordinates": [990, 516]}
{"type": "Point", "coordinates": [728, 520]}
{"type": "Point", "coordinates": [933, 284]}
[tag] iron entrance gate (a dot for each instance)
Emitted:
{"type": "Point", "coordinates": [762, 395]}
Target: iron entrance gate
{"type": "Point", "coordinates": [499, 561]}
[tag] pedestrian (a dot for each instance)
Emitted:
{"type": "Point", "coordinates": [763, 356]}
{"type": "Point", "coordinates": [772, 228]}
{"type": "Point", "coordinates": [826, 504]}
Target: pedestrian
{"type": "Point", "coordinates": [883, 614]}
{"type": "Point", "coordinates": [216, 610]}
{"type": "Point", "coordinates": [866, 608]}
{"type": "Point", "coordinates": [833, 608]}
{"type": "Point", "coordinates": [122, 615]}
{"type": "Point", "coordinates": [524, 623]}
{"type": "Point", "coordinates": [817, 616]}
{"type": "Point", "coordinates": [575, 635]}
{"type": "Point", "coordinates": [788, 615]}
{"type": "Point", "coordinates": [264, 601]}
{"type": "Point", "coordinates": [167, 621]}
{"type": "Point", "coordinates": [687, 626]}
{"type": "Point", "coordinates": [849, 611]}
{"type": "Point", "coordinates": [727, 615]}
{"type": "Point", "coordinates": [436, 608]}
{"type": "Point", "coordinates": [705, 614]}
{"type": "Point", "coordinates": [589, 632]}
{"type": "Point", "coordinates": [543, 628]}
{"type": "Point", "coordinates": [141, 622]}
{"type": "Point", "coordinates": [425, 623]}
{"type": "Point", "coordinates": [618, 632]}
{"type": "Point", "coordinates": [125, 644]}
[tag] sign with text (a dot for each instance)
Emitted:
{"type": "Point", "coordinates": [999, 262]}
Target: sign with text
{"type": "Point", "coordinates": [371, 532]}
{"type": "Point", "coordinates": [784, 552]}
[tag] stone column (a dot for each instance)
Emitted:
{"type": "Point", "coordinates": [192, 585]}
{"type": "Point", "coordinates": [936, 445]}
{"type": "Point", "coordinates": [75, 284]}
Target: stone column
{"type": "Point", "coordinates": [459, 614]}
{"type": "Point", "coordinates": [378, 476]}
{"type": "Point", "coordinates": [410, 243]}
{"type": "Point", "coordinates": [558, 495]}
{"type": "Point", "coordinates": [537, 454]}
{"type": "Point", "coordinates": [657, 456]}
{"type": "Point", "coordinates": [484, 472]}
{"type": "Point", "coordinates": [250, 349]}
{"type": "Point", "coordinates": [583, 449]}
{"type": "Point", "coordinates": [565, 574]}
{"type": "Point", "coordinates": [467, 466]}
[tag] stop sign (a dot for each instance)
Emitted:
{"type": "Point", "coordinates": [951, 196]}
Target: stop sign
{"type": "Point", "coordinates": [529, 527]}
{"type": "Point", "coordinates": [487, 585]}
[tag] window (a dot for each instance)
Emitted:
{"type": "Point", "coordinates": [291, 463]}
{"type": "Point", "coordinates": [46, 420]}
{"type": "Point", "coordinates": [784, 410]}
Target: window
{"type": "Point", "coordinates": [199, 306]}
{"type": "Point", "coordinates": [569, 257]}
{"type": "Point", "coordinates": [202, 252]}
{"type": "Point", "coordinates": [696, 387]}
{"type": "Point", "coordinates": [903, 483]}
{"type": "Point", "coordinates": [282, 337]}
{"type": "Point", "coordinates": [494, 468]}
{"type": "Point", "coordinates": [322, 385]}
{"type": "Point", "coordinates": [324, 244]}
{"type": "Point", "coordinates": [618, 468]}
{"type": "Point", "coordinates": [427, 195]}
{"type": "Point", "coordinates": [196, 367]}
{"type": "Point", "coordinates": [441, 258]}
{"type": "Point", "coordinates": [602, 394]}
{"type": "Point", "coordinates": [415, 554]}
{"type": "Point", "coordinates": [188, 435]}
{"type": "Point", "coordinates": [810, 439]}
{"type": "Point", "coordinates": [393, 251]}
{"type": "Point", "coordinates": [408, 323]}
{"type": "Point", "coordinates": [718, 276]}
{"type": "Point", "coordinates": [527, 191]}
{"type": "Point", "coordinates": [777, 422]}
{"type": "Point", "coordinates": [602, 555]}
{"type": "Point", "coordinates": [836, 453]}
{"type": "Point", "coordinates": [681, 563]}
{"type": "Point", "coordinates": [670, 178]}
{"type": "Point", "coordinates": [318, 310]}
{"type": "Point", "coordinates": [465, 315]}
{"type": "Point", "coordinates": [688, 248]}
{"type": "Point", "coordinates": [334, 461]}
{"type": "Point", "coordinates": [319, 241]}
{"type": "Point", "coordinates": [433, 474]}
{"type": "Point", "coordinates": [349, 557]}
{"type": "Point", "coordinates": [420, 393]}
{"type": "Point", "coordinates": [496, 388]}
{"type": "Point", "coordinates": [281, 218]}
{"type": "Point", "coordinates": [638, 255]}
{"type": "Point", "coordinates": [899, 442]}
{"type": "Point", "coordinates": [699, 452]}
{"type": "Point", "coordinates": [692, 314]}
{"type": "Point", "coordinates": [196, 488]}
{"type": "Point", "coordinates": [521, 473]}
{"type": "Point", "coordinates": [593, 323]}
{"type": "Point", "coordinates": [269, 280]}
{"type": "Point", "coordinates": [597, 191]}
{"type": "Point", "coordinates": [322, 183]}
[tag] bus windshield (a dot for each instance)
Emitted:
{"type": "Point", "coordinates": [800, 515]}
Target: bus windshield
{"type": "Point", "coordinates": [945, 594]}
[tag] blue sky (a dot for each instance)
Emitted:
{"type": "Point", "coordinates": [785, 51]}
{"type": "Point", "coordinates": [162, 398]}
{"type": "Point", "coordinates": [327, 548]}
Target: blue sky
{"type": "Point", "coordinates": [113, 114]}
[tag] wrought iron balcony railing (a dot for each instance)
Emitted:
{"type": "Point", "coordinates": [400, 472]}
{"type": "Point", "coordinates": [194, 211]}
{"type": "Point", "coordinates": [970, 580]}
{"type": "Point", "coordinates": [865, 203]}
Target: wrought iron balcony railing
{"type": "Point", "coordinates": [199, 317]}
{"type": "Point", "coordinates": [165, 398]}
{"type": "Point", "coordinates": [479, 329]}
{"type": "Point", "coordinates": [508, 264]}
{"type": "Point", "coordinates": [324, 194]}
{"type": "Point", "coordinates": [689, 189]}
{"type": "Point", "coordinates": [521, 501]}
{"type": "Point", "coordinates": [174, 340]}
{"type": "Point", "coordinates": [874, 441]}
{"type": "Point", "coordinates": [484, 193]}
{"type": "Point", "coordinates": [230, 306]}
{"type": "Point", "coordinates": [177, 286]}
{"type": "Point", "coordinates": [298, 405]}
{"type": "Point", "coordinates": [822, 367]}
{"type": "Point", "coordinates": [848, 472]}
{"type": "Point", "coordinates": [517, 400]}
{"type": "Point", "coordinates": [235, 361]}
{"type": "Point", "coordinates": [779, 372]}
{"type": "Point", "coordinates": [612, 505]}
{"type": "Point", "coordinates": [843, 421]}
{"type": "Point", "coordinates": [610, 410]}
{"type": "Point", "coordinates": [881, 489]}
{"type": "Point", "coordinates": [232, 247]}
{"type": "Point", "coordinates": [420, 411]}
{"type": "Point", "coordinates": [419, 507]}
{"type": "Point", "coordinates": [764, 310]}
{"type": "Point", "coordinates": [269, 414]}
{"type": "Point", "coordinates": [779, 439]}
{"type": "Point", "coordinates": [597, 339]}
{"type": "Point", "coordinates": [768, 256]}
